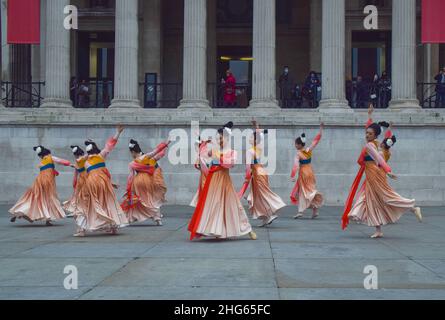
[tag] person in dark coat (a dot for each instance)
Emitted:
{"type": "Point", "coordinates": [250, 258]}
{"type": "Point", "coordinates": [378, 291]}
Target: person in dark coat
{"type": "Point", "coordinates": [440, 89]}
{"type": "Point", "coordinates": [286, 84]}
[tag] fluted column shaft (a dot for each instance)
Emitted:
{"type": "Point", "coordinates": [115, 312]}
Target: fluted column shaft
{"type": "Point", "coordinates": [126, 55]}
{"type": "Point", "coordinates": [404, 54]}
{"type": "Point", "coordinates": [195, 55]}
{"type": "Point", "coordinates": [333, 55]}
{"type": "Point", "coordinates": [57, 73]}
{"type": "Point", "coordinates": [264, 41]}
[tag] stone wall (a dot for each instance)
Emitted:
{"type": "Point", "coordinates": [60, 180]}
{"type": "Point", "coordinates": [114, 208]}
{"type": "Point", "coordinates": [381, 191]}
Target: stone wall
{"type": "Point", "coordinates": [418, 156]}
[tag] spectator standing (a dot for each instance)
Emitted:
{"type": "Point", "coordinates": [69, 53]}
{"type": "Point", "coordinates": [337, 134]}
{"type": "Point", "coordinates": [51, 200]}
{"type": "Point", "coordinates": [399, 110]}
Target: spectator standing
{"type": "Point", "coordinates": [384, 90]}
{"type": "Point", "coordinates": [229, 89]}
{"type": "Point", "coordinates": [83, 94]}
{"type": "Point", "coordinates": [440, 89]}
{"type": "Point", "coordinates": [286, 83]}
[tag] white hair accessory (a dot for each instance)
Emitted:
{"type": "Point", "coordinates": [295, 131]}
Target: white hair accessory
{"type": "Point", "coordinates": [89, 147]}
{"type": "Point", "coordinates": [131, 145]}
{"type": "Point", "coordinates": [303, 139]}
{"type": "Point", "coordinates": [389, 142]}
{"type": "Point", "coordinates": [228, 130]}
{"type": "Point", "coordinates": [74, 149]}
{"type": "Point", "coordinates": [38, 150]}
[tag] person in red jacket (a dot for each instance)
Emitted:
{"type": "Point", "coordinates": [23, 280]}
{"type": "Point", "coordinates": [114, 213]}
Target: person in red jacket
{"type": "Point", "coordinates": [229, 89]}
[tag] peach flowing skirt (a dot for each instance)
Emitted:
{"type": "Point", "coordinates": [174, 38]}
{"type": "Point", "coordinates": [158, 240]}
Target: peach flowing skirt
{"type": "Point", "coordinates": [377, 203]}
{"type": "Point", "coordinates": [150, 190]}
{"type": "Point", "coordinates": [40, 202]}
{"type": "Point", "coordinates": [99, 209]}
{"type": "Point", "coordinates": [263, 202]}
{"type": "Point", "coordinates": [202, 181]}
{"type": "Point", "coordinates": [223, 215]}
{"type": "Point", "coordinates": [308, 196]}
{"type": "Point", "coordinates": [71, 205]}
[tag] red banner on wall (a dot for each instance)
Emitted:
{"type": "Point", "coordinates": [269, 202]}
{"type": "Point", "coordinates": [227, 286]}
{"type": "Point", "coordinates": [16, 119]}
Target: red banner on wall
{"type": "Point", "coordinates": [433, 17]}
{"type": "Point", "coordinates": [23, 21]}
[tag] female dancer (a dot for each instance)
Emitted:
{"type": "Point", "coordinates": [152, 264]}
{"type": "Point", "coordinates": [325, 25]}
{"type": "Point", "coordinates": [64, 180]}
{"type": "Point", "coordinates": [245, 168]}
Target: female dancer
{"type": "Point", "coordinates": [219, 212]}
{"type": "Point", "coordinates": [102, 210]}
{"type": "Point", "coordinates": [80, 176]}
{"type": "Point", "coordinates": [389, 139]}
{"type": "Point", "coordinates": [145, 184]}
{"type": "Point", "coordinates": [40, 202]}
{"type": "Point", "coordinates": [201, 164]}
{"type": "Point", "coordinates": [377, 203]}
{"type": "Point", "coordinates": [263, 202]}
{"type": "Point", "coordinates": [304, 193]}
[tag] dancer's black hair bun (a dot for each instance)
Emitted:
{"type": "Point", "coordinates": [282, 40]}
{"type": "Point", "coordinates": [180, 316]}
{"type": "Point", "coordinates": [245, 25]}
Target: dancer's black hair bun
{"type": "Point", "coordinates": [229, 125]}
{"type": "Point", "coordinates": [384, 124]}
{"type": "Point", "coordinates": [133, 141]}
{"type": "Point", "coordinates": [303, 135]}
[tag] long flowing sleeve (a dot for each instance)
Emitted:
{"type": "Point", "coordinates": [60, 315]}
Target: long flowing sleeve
{"type": "Point", "coordinates": [368, 123]}
{"type": "Point", "coordinates": [375, 155]}
{"type": "Point", "coordinates": [109, 146]}
{"type": "Point", "coordinates": [61, 161]}
{"type": "Point", "coordinates": [296, 165]}
{"type": "Point", "coordinates": [159, 148]}
{"type": "Point", "coordinates": [316, 140]}
{"type": "Point", "coordinates": [248, 165]}
{"type": "Point", "coordinates": [228, 159]}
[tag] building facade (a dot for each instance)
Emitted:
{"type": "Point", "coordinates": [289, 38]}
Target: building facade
{"type": "Point", "coordinates": [155, 65]}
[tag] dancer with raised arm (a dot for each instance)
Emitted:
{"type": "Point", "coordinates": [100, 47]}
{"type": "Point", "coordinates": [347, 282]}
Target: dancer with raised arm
{"type": "Point", "coordinates": [145, 186]}
{"type": "Point", "coordinates": [40, 202]}
{"type": "Point", "coordinates": [305, 194]}
{"type": "Point", "coordinates": [263, 202]}
{"type": "Point", "coordinates": [102, 211]}
{"type": "Point", "coordinates": [219, 212]}
{"type": "Point", "coordinates": [377, 203]}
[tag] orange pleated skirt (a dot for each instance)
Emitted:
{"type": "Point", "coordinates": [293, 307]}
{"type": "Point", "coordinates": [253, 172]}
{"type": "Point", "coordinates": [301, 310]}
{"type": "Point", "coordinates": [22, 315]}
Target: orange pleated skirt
{"type": "Point", "coordinates": [308, 196]}
{"type": "Point", "coordinates": [377, 203]}
{"type": "Point", "coordinates": [40, 202]}
{"type": "Point", "coordinates": [263, 202]}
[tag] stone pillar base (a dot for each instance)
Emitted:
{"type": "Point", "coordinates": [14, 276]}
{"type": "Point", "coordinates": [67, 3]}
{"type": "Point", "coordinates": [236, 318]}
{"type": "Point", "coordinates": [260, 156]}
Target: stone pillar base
{"type": "Point", "coordinates": [332, 104]}
{"type": "Point", "coordinates": [404, 104]}
{"type": "Point", "coordinates": [264, 106]}
{"type": "Point", "coordinates": [194, 105]}
{"type": "Point", "coordinates": [54, 103]}
{"type": "Point", "coordinates": [124, 103]}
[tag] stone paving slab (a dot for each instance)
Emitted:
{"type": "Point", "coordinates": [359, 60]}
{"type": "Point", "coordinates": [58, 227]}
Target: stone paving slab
{"type": "Point", "coordinates": [292, 259]}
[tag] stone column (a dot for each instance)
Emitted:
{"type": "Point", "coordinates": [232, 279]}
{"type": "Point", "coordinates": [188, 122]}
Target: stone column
{"type": "Point", "coordinates": [57, 73]}
{"type": "Point", "coordinates": [403, 73]}
{"type": "Point", "coordinates": [126, 55]}
{"type": "Point", "coordinates": [152, 40]}
{"type": "Point", "coordinates": [194, 84]}
{"type": "Point", "coordinates": [264, 62]}
{"type": "Point", "coordinates": [211, 51]}
{"type": "Point", "coordinates": [333, 55]}
{"type": "Point", "coordinates": [315, 35]}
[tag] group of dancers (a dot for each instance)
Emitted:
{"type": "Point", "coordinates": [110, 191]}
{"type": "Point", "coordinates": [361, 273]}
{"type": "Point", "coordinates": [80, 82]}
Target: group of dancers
{"type": "Point", "coordinates": [218, 212]}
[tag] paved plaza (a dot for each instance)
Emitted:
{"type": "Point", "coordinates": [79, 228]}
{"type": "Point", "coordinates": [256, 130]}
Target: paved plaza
{"type": "Point", "coordinates": [292, 259]}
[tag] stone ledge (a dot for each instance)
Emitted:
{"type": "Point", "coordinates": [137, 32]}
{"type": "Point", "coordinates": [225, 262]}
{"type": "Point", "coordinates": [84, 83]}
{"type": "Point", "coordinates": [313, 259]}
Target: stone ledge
{"type": "Point", "coordinates": [175, 117]}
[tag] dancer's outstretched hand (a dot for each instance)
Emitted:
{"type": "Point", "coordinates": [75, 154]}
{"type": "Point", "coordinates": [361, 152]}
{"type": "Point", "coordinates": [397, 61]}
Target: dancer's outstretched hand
{"type": "Point", "coordinates": [392, 176]}
{"type": "Point", "coordinates": [120, 128]}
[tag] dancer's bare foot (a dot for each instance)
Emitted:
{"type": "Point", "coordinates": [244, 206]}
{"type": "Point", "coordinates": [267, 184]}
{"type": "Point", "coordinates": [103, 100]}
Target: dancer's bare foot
{"type": "Point", "coordinates": [314, 213]}
{"type": "Point", "coordinates": [48, 223]}
{"type": "Point", "coordinates": [271, 219]}
{"type": "Point", "coordinates": [298, 216]}
{"type": "Point", "coordinates": [13, 219]}
{"type": "Point", "coordinates": [378, 234]}
{"type": "Point", "coordinates": [252, 235]}
{"type": "Point", "coordinates": [79, 234]}
{"type": "Point", "coordinates": [418, 212]}
{"type": "Point", "coordinates": [263, 223]}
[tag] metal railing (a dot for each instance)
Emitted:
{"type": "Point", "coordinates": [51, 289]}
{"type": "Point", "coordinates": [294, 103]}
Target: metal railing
{"type": "Point", "coordinates": [431, 95]}
{"type": "Point", "coordinates": [162, 95]}
{"type": "Point", "coordinates": [299, 96]}
{"type": "Point", "coordinates": [94, 93]}
{"type": "Point", "coordinates": [22, 94]}
{"type": "Point", "coordinates": [361, 94]}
